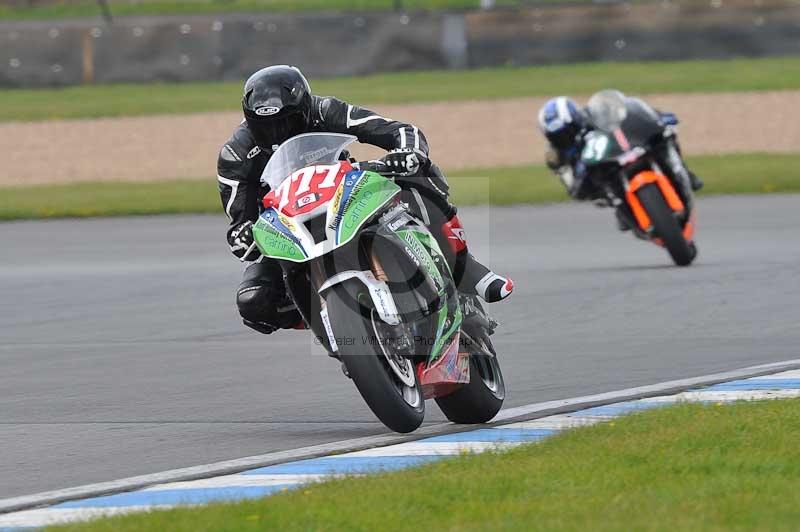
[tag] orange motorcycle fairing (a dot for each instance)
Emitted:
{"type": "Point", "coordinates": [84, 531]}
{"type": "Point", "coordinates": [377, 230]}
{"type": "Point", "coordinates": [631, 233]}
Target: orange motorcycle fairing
{"type": "Point", "coordinates": [667, 190]}
{"type": "Point", "coordinates": [688, 229]}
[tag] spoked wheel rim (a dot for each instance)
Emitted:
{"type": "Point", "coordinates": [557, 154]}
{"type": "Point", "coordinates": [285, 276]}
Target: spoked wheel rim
{"type": "Point", "coordinates": [401, 369]}
{"type": "Point", "coordinates": [490, 374]}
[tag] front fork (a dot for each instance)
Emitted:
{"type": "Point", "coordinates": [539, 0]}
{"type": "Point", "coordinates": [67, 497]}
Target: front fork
{"type": "Point", "coordinates": [303, 283]}
{"type": "Point", "coordinates": [476, 325]}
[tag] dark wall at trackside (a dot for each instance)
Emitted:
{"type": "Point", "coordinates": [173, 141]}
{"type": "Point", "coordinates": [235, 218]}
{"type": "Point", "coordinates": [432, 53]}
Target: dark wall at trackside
{"type": "Point", "coordinates": [715, 29]}
{"type": "Point", "coordinates": [190, 48]}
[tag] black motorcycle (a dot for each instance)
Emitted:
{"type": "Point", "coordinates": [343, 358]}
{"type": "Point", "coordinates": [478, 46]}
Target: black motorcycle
{"type": "Point", "coordinates": [620, 158]}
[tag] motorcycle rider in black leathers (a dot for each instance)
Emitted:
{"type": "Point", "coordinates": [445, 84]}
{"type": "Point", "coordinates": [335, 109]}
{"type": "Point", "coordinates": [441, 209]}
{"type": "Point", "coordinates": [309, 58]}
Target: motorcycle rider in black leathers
{"type": "Point", "coordinates": [565, 126]}
{"type": "Point", "coordinates": [278, 105]}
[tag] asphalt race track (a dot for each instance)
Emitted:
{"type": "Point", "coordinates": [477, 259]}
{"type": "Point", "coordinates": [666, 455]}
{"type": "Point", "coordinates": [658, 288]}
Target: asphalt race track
{"type": "Point", "coordinates": [122, 354]}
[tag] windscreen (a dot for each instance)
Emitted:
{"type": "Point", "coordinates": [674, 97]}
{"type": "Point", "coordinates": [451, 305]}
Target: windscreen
{"type": "Point", "coordinates": [607, 109]}
{"type": "Point", "coordinates": [301, 151]}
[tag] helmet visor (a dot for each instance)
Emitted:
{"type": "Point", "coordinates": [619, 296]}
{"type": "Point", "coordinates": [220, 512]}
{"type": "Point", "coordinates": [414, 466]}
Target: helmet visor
{"type": "Point", "coordinates": [270, 131]}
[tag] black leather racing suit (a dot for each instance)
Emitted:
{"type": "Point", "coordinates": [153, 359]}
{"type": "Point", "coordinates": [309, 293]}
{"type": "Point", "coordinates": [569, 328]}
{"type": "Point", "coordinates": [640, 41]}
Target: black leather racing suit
{"type": "Point", "coordinates": [261, 296]}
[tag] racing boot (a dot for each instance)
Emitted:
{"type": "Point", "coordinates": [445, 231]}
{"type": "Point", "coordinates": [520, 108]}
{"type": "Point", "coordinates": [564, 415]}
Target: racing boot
{"type": "Point", "coordinates": [491, 287]}
{"type": "Point", "coordinates": [695, 180]}
{"type": "Point", "coordinates": [471, 276]}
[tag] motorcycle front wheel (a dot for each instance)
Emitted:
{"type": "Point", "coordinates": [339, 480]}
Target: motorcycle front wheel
{"type": "Point", "coordinates": [386, 380]}
{"type": "Point", "coordinates": [666, 226]}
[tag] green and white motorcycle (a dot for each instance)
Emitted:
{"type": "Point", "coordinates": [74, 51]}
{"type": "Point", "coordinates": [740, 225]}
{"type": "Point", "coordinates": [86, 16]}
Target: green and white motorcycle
{"type": "Point", "coordinates": [373, 286]}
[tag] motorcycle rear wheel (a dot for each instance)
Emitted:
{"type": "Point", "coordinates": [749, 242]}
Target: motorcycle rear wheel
{"type": "Point", "coordinates": [666, 226]}
{"type": "Point", "coordinates": [373, 367]}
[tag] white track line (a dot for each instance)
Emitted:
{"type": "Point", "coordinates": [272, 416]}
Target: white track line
{"type": "Point", "coordinates": [557, 422]}
{"type": "Point", "coordinates": [240, 481]}
{"type": "Point", "coordinates": [795, 374]}
{"type": "Point", "coordinates": [726, 396]}
{"type": "Point", "coordinates": [54, 516]}
{"type": "Point", "coordinates": [434, 448]}
{"type": "Point", "coordinates": [663, 388]}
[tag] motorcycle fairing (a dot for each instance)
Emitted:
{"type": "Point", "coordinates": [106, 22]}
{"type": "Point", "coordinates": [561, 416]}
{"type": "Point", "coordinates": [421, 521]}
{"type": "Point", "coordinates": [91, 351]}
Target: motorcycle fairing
{"type": "Point", "coordinates": [443, 358]}
{"type": "Point", "coordinates": [670, 195]}
{"type": "Point", "coordinates": [378, 290]}
{"type": "Point", "coordinates": [274, 235]}
{"type": "Point", "coordinates": [419, 242]}
{"type": "Point", "coordinates": [309, 189]}
{"type": "Point", "coordinates": [445, 374]}
{"type": "Point", "coordinates": [599, 147]}
{"type": "Point", "coordinates": [622, 142]}
{"type": "Point", "coordinates": [283, 233]}
{"type": "Point", "coordinates": [359, 195]}
{"type": "Point", "coordinates": [363, 194]}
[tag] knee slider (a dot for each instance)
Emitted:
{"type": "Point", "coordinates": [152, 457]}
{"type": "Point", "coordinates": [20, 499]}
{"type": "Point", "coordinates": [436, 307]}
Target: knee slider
{"type": "Point", "coordinates": [253, 302]}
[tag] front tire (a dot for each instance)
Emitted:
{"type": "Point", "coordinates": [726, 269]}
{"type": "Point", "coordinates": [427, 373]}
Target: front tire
{"type": "Point", "coordinates": [481, 399]}
{"type": "Point", "coordinates": [399, 406]}
{"type": "Point", "coordinates": [666, 226]}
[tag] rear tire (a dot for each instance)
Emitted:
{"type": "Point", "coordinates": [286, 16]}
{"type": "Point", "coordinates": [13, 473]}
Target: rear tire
{"type": "Point", "coordinates": [666, 226]}
{"type": "Point", "coordinates": [481, 399]}
{"type": "Point", "coordinates": [399, 406]}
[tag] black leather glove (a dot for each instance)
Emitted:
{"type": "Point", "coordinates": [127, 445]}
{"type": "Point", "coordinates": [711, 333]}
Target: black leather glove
{"type": "Point", "coordinates": [242, 243]}
{"type": "Point", "coordinates": [404, 161]}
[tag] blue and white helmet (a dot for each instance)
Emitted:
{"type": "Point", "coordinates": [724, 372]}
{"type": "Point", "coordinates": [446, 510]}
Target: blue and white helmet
{"type": "Point", "coordinates": [561, 120]}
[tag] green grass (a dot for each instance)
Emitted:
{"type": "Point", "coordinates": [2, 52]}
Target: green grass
{"type": "Point", "coordinates": [685, 467]}
{"type": "Point", "coordinates": [723, 174]}
{"type": "Point", "coordinates": [109, 199]}
{"type": "Point", "coordinates": [407, 87]}
{"type": "Point", "coordinates": [89, 8]}
{"type": "Point", "coordinates": [728, 174]}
